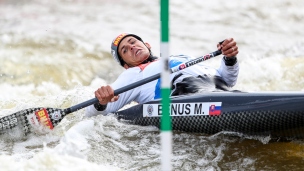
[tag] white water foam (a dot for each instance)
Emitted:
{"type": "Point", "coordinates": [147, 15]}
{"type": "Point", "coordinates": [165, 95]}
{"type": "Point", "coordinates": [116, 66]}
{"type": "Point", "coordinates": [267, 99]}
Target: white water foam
{"type": "Point", "coordinates": [57, 53]}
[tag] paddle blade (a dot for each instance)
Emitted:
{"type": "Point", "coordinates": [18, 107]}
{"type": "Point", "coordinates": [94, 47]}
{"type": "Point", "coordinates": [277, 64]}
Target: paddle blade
{"type": "Point", "coordinates": [32, 118]}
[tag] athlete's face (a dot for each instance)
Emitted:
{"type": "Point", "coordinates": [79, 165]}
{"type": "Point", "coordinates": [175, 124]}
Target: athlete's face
{"type": "Point", "coordinates": [133, 51]}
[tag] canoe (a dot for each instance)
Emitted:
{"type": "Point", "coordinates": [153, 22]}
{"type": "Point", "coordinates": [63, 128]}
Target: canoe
{"type": "Point", "coordinates": [277, 114]}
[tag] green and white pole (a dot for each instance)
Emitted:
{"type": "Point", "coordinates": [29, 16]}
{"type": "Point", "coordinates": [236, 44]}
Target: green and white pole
{"type": "Point", "coordinates": [166, 133]}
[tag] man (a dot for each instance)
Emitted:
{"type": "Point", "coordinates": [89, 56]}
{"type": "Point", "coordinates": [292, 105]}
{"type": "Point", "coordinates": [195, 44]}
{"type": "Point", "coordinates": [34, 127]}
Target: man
{"type": "Point", "coordinates": [135, 55]}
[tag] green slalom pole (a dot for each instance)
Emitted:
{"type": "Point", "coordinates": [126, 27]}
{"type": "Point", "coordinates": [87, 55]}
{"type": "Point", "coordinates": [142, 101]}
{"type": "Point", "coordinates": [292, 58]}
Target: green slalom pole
{"type": "Point", "coordinates": [166, 133]}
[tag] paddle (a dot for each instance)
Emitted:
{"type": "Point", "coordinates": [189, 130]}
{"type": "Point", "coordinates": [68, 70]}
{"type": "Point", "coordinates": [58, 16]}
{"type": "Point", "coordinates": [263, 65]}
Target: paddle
{"type": "Point", "coordinates": [50, 117]}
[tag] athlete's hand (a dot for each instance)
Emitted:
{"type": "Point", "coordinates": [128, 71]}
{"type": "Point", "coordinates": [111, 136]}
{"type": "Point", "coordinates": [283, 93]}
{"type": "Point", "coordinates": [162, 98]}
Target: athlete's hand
{"type": "Point", "coordinates": [105, 94]}
{"type": "Point", "coordinates": [228, 47]}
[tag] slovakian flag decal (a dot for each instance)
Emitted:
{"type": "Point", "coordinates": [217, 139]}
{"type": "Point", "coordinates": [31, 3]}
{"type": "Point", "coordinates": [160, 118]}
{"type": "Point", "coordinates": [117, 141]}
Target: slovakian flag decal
{"type": "Point", "coordinates": [215, 109]}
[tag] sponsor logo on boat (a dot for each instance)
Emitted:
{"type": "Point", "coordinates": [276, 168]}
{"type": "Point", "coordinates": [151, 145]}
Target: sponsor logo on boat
{"type": "Point", "coordinates": [7, 123]}
{"type": "Point", "coordinates": [118, 38]}
{"type": "Point", "coordinates": [184, 109]}
{"type": "Point", "coordinates": [150, 110]}
{"type": "Point", "coordinates": [43, 117]}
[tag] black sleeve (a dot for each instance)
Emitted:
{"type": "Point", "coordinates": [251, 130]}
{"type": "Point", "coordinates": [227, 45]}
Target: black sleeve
{"type": "Point", "coordinates": [230, 61]}
{"type": "Point", "coordinates": [99, 106]}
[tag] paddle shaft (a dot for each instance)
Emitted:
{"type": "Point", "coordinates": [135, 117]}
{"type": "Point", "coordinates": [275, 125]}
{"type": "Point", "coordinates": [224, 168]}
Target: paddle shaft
{"type": "Point", "coordinates": [144, 81]}
{"type": "Point", "coordinates": [116, 92]}
{"type": "Point", "coordinates": [195, 61]}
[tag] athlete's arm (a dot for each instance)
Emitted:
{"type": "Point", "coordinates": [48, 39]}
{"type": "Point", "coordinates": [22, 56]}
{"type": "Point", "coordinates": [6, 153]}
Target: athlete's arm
{"type": "Point", "coordinates": [229, 68]}
{"type": "Point", "coordinates": [108, 103]}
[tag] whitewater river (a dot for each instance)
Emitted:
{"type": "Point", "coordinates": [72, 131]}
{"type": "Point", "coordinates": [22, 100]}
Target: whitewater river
{"type": "Point", "coordinates": [56, 53]}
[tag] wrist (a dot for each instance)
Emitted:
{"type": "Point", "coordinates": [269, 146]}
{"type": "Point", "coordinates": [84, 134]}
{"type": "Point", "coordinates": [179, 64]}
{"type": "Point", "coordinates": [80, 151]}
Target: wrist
{"type": "Point", "coordinates": [100, 107]}
{"type": "Point", "coordinates": [230, 61]}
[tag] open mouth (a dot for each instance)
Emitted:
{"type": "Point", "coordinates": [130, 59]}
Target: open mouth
{"type": "Point", "coordinates": [137, 52]}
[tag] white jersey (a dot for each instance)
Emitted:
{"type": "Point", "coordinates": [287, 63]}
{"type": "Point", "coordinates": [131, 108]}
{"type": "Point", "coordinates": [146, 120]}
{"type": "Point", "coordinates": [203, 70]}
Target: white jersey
{"type": "Point", "coordinates": [149, 91]}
